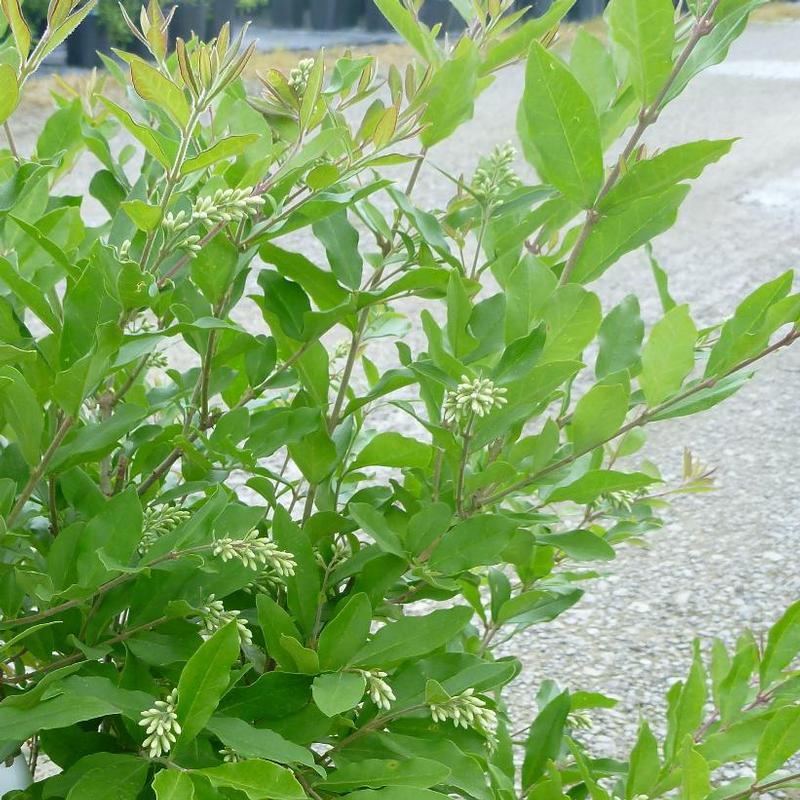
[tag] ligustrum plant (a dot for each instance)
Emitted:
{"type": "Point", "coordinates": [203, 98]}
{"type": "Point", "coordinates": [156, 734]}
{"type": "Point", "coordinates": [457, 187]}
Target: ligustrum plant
{"type": "Point", "coordinates": [243, 560]}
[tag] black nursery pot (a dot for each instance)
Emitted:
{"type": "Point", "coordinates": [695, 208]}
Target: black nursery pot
{"type": "Point", "coordinates": [374, 20]}
{"type": "Point", "coordinates": [330, 15]}
{"type": "Point", "coordinates": [287, 13]}
{"type": "Point", "coordinates": [436, 11]}
{"type": "Point", "coordinates": [190, 18]}
{"type": "Point", "coordinates": [222, 11]}
{"type": "Point", "coordinates": [85, 41]}
{"type": "Point", "coordinates": [586, 9]}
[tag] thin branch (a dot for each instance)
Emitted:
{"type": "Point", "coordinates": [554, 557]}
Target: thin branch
{"type": "Point", "coordinates": [12, 146]}
{"type": "Point", "coordinates": [642, 419]}
{"type": "Point", "coordinates": [38, 473]}
{"type": "Point", "coordinates": [648, 116]}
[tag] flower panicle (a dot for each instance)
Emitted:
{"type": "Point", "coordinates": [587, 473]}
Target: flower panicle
{"type": "Point", "coordinates": [254, 552]}
{"type": "Point", "coordinates": [161, 725]}
{"type": "Point", "coordinates": [478, 397]}
{"type": "Point", "coordinates": [466, 710]}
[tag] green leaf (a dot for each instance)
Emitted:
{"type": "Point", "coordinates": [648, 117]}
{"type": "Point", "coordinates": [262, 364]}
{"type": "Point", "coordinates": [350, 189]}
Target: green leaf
{"type": "Point", "coordinates": [144, 216]}
{"type": "Point", "coordinates": [152, 85]}
{"type": "Point", "coordinates": [374, 523]}
{"type": "Point", "coordinates": [449, 100]}
{"type": "Point", "coordinates": [668, 356]}
{"type": "Point", "coordinates": [479, 541]}
{"type": "Point", "coordinates": [599, 414]}
{"type": "Point", "coordinates": [346, 633]}
{"type": "Point", "coordinates": [590, 486]}
{"type": "Point", "coordinates": [397, 793]}
{"type": "Point", "coordinates": [730, 20]}
{"type": "Point", "coordinates": [653, 176]}
{"type": "Point", "coordinates": [125, 774]}
{"type": "Point", "coordinates": [781, 740]}
{"type": "Point", "coordinates": [392, 449]}
{"type": "Point", "coordinates": [644, 766]}
{"type": "Point", "coordinates": [375, 773]}
{"type": "Point", "coordinates": [258, 780]}
{"type": "Point", "coordinates": [559, 129]}
{"type": "Point", "coordinates": [337, 692]}
{"type": "Point", "coordinates": [228, 147]}
{"type": "Point", "coordinates": [170, 784]}
{"type": "Point", "coordinates": [276, 623]}
{"type": "Point", "coordinates": [685, 703]}
{"type": "Point", "coordinates": [204, 679]}
{"type": "Point", "coordinates": [634, 226]}
{"type": "Point", "coordinates": [142, 133]}
{"type": "Point", "coordinates": [544, 738]}
{"type": "Point", "coordinates": [29, 294]}
{"type": "Point", "coordinates": [19, 27]}
{"type": "Point", "coordinates": [783, 645]}
{"type": "Point", "coordinates": [580, 545]}
{"type": "Point", "coordinates": [734, 688]}
{"type": "Point", "coordinates": [504, 49]}
{"type": "Point", "coordinates": [645, 33]}
{"type": "Point", "coordinates": [572, 318]}
{"type": "Point", "coordinates": [20, 723]}
{"type": "Point", "coordinates": [520, 357]}
{"type": "Point", "coordinates": [9, 91]}
{"type": "Point", "coordinates": [340, 239]}
{"type": "Point", "coordinates": [321, 286]}
{"type": "Point", "coordinates": [620, 338]}
{"type": "Point", "coordinates": [22, 413]}
{"type": "Point", "coordinates": [407, 25]}
{"type": "Point", "coordinates": [592, 65]}
{"type": "Point", "coordinates": [412, 637]}
{"type": "Point", "coordinates": [696, 774]}
{"type": "Point", "coordinates": [250, 742]}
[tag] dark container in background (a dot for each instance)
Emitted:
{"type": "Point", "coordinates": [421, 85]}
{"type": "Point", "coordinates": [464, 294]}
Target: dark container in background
{"type": "Point", "coordinates": [190, 18]}
{"type": "Point", "coordinates": [287, 13]}
{"type": "Point", "coordinates": [85, 41]}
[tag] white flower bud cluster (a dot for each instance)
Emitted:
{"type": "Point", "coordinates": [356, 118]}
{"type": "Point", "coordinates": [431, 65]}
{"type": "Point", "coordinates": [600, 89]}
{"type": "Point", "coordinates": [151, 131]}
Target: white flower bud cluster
{"type": "Point", "coordinates": [157, 522]}
{"type": "Point", "coordinates": [176, 223]}
{"type": "Point", "coordinates": [467, 711]}
{"type": "Point", "coordinates": [378, 689]}
{"type": "Point", "coordinates": [161, 725]}
{"type": "Point", "coordinates": [253, 551]}
{"type": "Point", "coordinates": [495, 173]}
{"type": "Point", "coordinates": [226, 205]}
{"type": "Point", "coordinates": [298, 77]}
{"type": "Point", "coordinates": [265, 583]}
{"type": "Point", "coordinates": [214, 615]}
{"type": "Point", "coordinates": [230, 756]}
{"type": "Point", "coordinates": [340, 551]}
{"type": "Point", "coordinates": [478, 397]}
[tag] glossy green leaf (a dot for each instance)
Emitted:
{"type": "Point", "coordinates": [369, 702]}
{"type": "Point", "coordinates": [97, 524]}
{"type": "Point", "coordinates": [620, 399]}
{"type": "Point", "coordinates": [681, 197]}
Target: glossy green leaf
{"type": "Point", "coordinates": [781, 740]}
{"type": "Point", "coordinates": [346, 633]}
{"type": "Point", "coordinates": [783, 645]}
{"type": "Point", "coordinates": [600, 413]}
{"type": "Point", "coordinates": [392, 449]}
{"type": "Point", "coordinates": [644, 32]}
{"type": "Point", "coordinates": [170, 784]}
{"type": "Point", "coordinates": [544, 739]}
{"type": "Point", "coordinates": [9, 91]}
{"type": "Point", "coordinates": [412, 637]}
{"type": "Point", "coordinates": [152, 85]}
{"type": "Point", "coordinates": [668, 355]}
{"type": "Point", "coordinates": [257, 780]}
{"type": "Point", "coordinates": [559, 129]}
{"type": "Point", "coordinates": [620, 338]}
{"type": "Point", "coordinates": [413, 772]}
{"type": "Point", "coordinates": [204, 679]}
{"type": "Point", "coordinates": [337, 692]}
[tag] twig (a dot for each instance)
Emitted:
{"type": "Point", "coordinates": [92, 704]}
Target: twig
{"type": "Point", "coordinates": [643, 418]}
{"type": "Point", "coordinates": [37, 474]}
{"type": "Point", "coordinates": [11, 143]}
{"type": "Point", "coordinates": [647, 117]}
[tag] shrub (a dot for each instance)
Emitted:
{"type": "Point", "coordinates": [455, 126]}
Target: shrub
{"type": "Point", "coordinates": [224, 573]}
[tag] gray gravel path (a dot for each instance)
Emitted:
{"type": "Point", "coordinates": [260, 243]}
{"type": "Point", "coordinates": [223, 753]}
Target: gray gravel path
{"type": "Point", "coordinates": [727, 560]}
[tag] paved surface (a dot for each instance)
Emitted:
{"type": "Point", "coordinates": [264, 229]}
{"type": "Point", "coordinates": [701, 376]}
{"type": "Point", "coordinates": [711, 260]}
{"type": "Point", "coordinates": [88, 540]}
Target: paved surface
{"type": "Point", "coordinates": [726, 560]}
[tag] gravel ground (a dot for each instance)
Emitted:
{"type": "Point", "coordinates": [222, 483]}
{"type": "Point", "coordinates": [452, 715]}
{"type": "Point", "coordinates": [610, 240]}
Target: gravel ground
{"type": "Point", "coordinates": [727, 560]}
